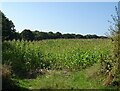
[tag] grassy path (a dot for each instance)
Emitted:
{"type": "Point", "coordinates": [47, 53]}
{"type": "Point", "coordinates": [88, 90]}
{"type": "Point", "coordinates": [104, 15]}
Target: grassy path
{"type": "Point", "coordinates": [64, 79]}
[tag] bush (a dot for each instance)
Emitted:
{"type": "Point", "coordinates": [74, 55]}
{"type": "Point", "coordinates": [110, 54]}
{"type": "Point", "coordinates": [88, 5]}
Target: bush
{"type": "Point", "coordinates": [7, 83]}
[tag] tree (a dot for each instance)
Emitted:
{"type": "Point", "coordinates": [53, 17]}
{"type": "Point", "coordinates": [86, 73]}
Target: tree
{"type": "Point", "coordinates": [68, 36]}
{"type": "Point", "coordinates": [88, 36]}
{"type": "Point", "coordinates": [36, 35]}
{"type": "Point", "coordinates": [79, 36]}
{"type": "Point", "coordinates": [44, 35]}
{"type": "Point", "coordinates": [17, 36]}
{"type": "Point", "coordinates": [8, 28]}
{"type": "Point", "coordinates": [27, 35]}
{"type": "Point", "coordinates": [51, 35]}
{"type": "Point", "coordinates": [115, 36]}
{"type": "Point", "coordinates": [58, 35]}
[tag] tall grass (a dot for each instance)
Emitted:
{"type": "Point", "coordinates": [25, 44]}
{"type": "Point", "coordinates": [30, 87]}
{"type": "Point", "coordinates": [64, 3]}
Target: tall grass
{"type": "Point", "coordinates": [74, 54]}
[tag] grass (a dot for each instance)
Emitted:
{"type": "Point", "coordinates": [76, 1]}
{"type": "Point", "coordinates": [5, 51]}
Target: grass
{"type": "Point", "coordinates": [58, 79]}
{"type": "Point", "coordinates": [70, 63]}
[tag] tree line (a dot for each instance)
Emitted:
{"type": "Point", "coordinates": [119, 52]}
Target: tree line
{"type": "Point", "coordinates": [9, 33]}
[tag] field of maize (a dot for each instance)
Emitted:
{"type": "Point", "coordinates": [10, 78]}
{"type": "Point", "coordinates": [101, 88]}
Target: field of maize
{"type": "Point", "coordinates": [73, 54]}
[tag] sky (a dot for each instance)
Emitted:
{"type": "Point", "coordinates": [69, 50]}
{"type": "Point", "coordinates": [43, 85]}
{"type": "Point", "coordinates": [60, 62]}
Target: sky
{"type": "Point", "coordinates": [65, 17]}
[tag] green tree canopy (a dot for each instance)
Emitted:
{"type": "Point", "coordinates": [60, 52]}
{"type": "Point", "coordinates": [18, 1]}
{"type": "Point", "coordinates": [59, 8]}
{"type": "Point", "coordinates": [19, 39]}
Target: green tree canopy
{"type": "Point", "coordinates": [8, 28]}
{"type": "Point", "coordinates": [26, 34]}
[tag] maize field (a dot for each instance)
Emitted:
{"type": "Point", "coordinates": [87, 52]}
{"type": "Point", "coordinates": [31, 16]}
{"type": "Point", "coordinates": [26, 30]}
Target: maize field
{"type": "Point", "coordinates": [58, 54]}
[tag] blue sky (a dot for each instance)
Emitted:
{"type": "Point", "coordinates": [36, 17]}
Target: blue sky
{"type": "Point", "coordinates": [66, 17]}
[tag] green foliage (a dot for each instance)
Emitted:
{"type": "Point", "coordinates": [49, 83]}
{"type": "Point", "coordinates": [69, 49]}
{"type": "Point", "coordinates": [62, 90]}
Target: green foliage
{"type": "Point", "coordinates": [73, 54]}
{"type": "Point", "coordinates": [23, 56]}
{"type": "Point", "coordinates": [27, 35]}
{"type": "Point", "coordinates": [115, 36]}
{"type": "Point", "coordinates": [8, 28]}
